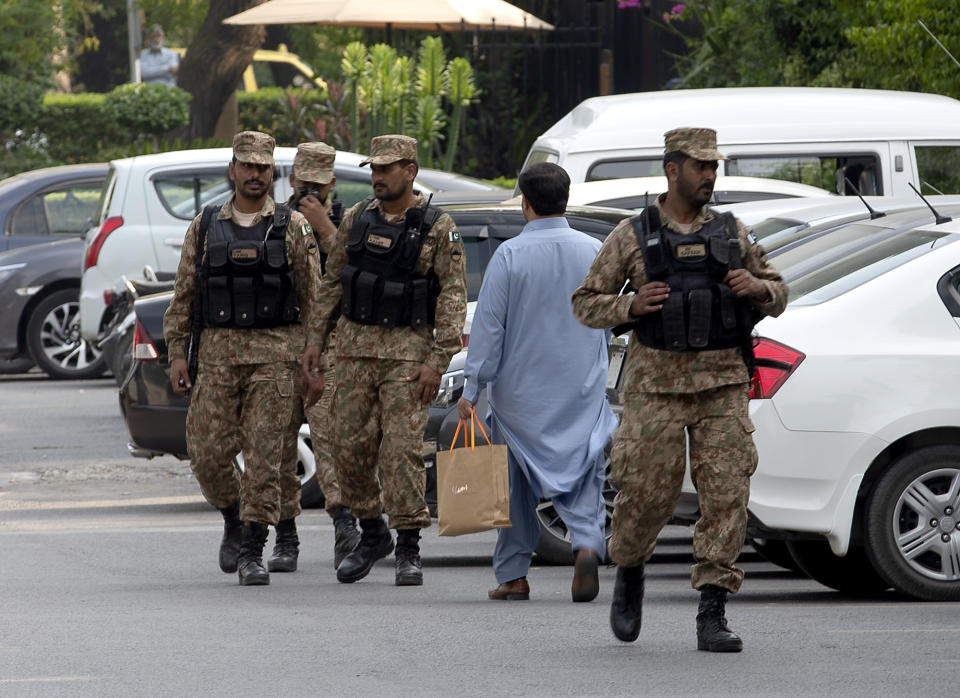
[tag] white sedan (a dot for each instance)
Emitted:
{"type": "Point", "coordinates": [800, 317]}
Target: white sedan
{"type": "Point", "coordinates": [856, 409]}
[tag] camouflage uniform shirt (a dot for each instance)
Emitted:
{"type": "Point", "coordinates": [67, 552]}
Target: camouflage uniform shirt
{"type": "Point", "coordinates": [227, 345]}
{"type": "Point", "coordinates": [598, 303]}
{"type": "Point", "coordinates": [442, 252]}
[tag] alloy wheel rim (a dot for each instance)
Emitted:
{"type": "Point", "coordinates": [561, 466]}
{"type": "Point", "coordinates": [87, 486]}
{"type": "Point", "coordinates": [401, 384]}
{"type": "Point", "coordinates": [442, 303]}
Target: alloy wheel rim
{"type": "Point", "coordinates": [926, 524]}
{"type": "Point", "coordinates": [61, 341]}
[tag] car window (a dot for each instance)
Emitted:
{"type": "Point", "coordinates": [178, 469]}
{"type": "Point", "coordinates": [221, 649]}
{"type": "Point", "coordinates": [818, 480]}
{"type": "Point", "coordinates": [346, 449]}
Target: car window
{"type": "Point", "coordinates": [850, 256]}
{"type": "Point", "coordinates": [938, 168]}
{"type": "Point", "coordinates": [829, 172]}
{"type": "Point", "coordinates": [184, 194]}
{"type": "Point", "coordinates": [478, 247]}
{"type": "Point", "coordinates": [351, 191]}
{"type": "Point", "coordinates": [625, 167]}
{"type": "Point", "coordinates": [60, 211]}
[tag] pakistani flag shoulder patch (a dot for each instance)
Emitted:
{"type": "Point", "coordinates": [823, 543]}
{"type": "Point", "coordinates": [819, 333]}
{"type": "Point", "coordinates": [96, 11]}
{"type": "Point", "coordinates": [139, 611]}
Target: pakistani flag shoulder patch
{"type": "Point", "coordinates": [306, 230]}
{"type": "Point", "coordinates": [455, 235]}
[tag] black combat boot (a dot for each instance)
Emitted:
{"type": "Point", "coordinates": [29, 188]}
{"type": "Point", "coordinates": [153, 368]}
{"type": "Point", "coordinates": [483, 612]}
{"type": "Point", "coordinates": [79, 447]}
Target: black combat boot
{"type": "Point", "coordinates": [286, 548]}
{"type": "Point", "coordinates": [626, 611]}
{"type": "Point", "coordinates": [409, 569]}
{"type": "Point", "coordinates": [250, 562]}
{"type": "Point", "coordinates": [375, 543]}
{"type": "Point", "coordinates": [346, 537]}
{"type": "Point", "coordinates": [230, 543]}
{"type": "Point", "coordinates": [713, 635]}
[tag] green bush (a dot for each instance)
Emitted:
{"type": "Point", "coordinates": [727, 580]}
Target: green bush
{"type": "Point", "coordinates": [19, 103]}
{"type": "Point", "coordinates": [144, 109]}
{"type": "Point", "coordinates": [257, 111]}
{"type": "Point", "coordinates": [75, 127]}
{"type": "Point", "coordinates": [290, 115]}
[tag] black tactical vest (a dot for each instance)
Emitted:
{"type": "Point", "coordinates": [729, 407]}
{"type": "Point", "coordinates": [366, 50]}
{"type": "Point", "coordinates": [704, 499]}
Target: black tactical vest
{"type": "Point", "coordinates": [246, 281]}
{"type": "Point", "coordinates": [701, 311]}
{"type": "Point", "coordinates": [380, 285]}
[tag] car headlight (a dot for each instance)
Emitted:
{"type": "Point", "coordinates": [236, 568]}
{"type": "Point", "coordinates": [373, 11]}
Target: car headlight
{"type": "Point", "coordinates": [451, 388]}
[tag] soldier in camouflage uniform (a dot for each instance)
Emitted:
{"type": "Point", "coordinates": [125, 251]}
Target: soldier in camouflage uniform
{"type": "Point", "coordinates": [692, 313]}
{"type": "Point", "coordinates": [248, 380]}
{"type": "Point", "coordinates": [313, 181]}
{"type": "Point", "coordinates": [396, 289]}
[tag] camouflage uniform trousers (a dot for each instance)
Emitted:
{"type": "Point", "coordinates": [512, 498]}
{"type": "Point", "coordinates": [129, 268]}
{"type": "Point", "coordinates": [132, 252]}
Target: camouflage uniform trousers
{"type": "Point", "coordinates": [378, 436]}
{"type": "Point", "coordinates": [648, 463]}
{"type": "Point", "coordinates": [320, 418]}
{"type": "Point", "coordinates": [240, 407]}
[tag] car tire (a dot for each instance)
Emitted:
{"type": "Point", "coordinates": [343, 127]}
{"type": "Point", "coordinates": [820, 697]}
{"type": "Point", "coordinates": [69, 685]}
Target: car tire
{"type": "Point", "coordinates": [775, 552]}
{"type": "Point", "coordinates": [919, 558]}
{"type": "Point", "coordinates": [9, 367]}
{"type": "Point", "coordinates": [852, 574]}
{"type": "Point", "coordinates": [54, 340]}
{"type": "Point", "coordinates": [311, 496]}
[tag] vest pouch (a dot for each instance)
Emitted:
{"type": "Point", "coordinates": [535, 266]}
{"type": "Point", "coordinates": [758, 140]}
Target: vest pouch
{"type": "Point", "coordinates": [217, 256]}
{"type": "Point", "coordinates": [275, 254]}
{"type": "Point", "coordinates": [348, 280]}
{"type": "Point", "coordinates": [733, 253]}
{"type": "Point", "coordinates": [219, 302]}
{"type": "Point", "coordinates": [409, 251]}
{"type": "Point", "coordinates": [420, 303]}
{"type": "Point", "coordinates": [244, 301]}
{"type": "Point", "coordinates": [654, 256]}
{"type": "Point", "coordinates": [367, 289]}
{"type": "Point", "coordinates": [700, 307]}
{"type": "Point", "coordinates": [245, 254]}
{"type": "Point", "coordinates": [390, 308]}
{"type": "Point", "coordinates": [674, 323]}
{"type": "Point", "coordinates": [728, 307]}
{"type": "Point", "coordinates": [268, 297]}
{"type": "Point", "coordinates": [719, 255]}
{"type": "Point", "coordinates": [357, 234]}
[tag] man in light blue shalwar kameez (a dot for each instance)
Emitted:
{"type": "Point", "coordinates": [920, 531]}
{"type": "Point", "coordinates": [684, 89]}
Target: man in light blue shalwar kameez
{"type": "Point", "coordinates": [546, 377]}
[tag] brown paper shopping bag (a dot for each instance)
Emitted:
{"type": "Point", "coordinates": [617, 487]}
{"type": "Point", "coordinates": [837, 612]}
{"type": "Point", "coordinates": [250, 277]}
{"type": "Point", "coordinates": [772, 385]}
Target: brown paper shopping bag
{"type": "Point", "coordinates": [473, 486]}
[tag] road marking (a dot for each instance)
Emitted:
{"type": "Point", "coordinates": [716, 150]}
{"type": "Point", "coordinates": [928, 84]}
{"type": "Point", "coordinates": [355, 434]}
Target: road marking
{"type": "Point", "coordinates": [30, 505]}
{"type": "Point", "coordinates": [51, 679]}
{"type": "Point", "coordinates": [899, 630]}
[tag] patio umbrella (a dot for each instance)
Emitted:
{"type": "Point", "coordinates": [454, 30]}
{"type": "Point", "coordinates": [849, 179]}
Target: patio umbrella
{"type": "Point", "coordinates": [428, 15]}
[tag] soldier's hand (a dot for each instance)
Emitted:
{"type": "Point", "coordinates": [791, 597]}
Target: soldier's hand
{"type": "Point", "coordinates": [428, 384]}
{"type": "Point", "coordinates": [316, 215]}
{"type": "Point", "coordinates": [743, 283]}
{"type": "Point", "coordinates": [312, 390]}
{"type": "Point", "coordinates": [464, 408]}
{"type": "Point", "coordinates": [180, 377]}
{"type": "Point", "coordinates": [649, 298]}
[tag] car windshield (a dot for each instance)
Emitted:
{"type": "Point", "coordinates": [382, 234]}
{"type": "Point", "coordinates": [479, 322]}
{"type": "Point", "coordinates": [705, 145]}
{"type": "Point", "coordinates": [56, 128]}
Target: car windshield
{"type": "Point", "coordinates": [776, 232]}
{"type": "Point", "coordinates": [840, 261]}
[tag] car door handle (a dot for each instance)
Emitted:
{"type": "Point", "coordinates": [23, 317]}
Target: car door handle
{"type": "Point", "coordinates": [173, 242]}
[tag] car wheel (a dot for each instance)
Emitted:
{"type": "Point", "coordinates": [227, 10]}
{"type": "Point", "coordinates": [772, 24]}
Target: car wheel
{"type": "Point", "coordinates": [775, 552]}
{"type": "Point", "coordinates": [13, 366]}
{"type": "Point", "coordinates": [311, 496]}
{"type": "Point", "coordinates": [53, 337]}
{"type": "Point", "coordinates": [851, 574]}
{"type": "Point", "coordinates": [913, 524]}
{"type": "Point", "coordinates": [554, 548]}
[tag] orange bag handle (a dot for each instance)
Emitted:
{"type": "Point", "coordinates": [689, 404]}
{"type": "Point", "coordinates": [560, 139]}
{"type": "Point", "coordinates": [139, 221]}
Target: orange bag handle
{"type": "Point", "coordinates": [474, 422]}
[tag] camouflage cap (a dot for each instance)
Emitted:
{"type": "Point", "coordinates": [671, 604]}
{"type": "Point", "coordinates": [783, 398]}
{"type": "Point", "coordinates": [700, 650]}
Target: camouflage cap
{"type": "Point", "coordinates": [314, 163]}
{"type": "Point", "coordinates": [387, 149]}
{"type": "Point", "coordinates": [698, 143]}
{"type": "Point", "coordinates": [254, 147]}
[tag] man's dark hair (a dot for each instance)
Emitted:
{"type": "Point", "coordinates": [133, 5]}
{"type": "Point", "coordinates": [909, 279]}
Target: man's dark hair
{"type": "Point", "coordinates": [404, 163]}
{"type": "Point", "coordinates": [547, 188]}
{"type": "Point", "coordinates": [677, 156]}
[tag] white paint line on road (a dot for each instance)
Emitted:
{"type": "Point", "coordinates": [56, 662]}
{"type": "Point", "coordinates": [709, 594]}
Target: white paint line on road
{"type": "Point", "coordinates": [30, 505]}
{"type": "Point", "coordinates": [52, 679]}
{"type": "Point", "coordinates": [897, 630]}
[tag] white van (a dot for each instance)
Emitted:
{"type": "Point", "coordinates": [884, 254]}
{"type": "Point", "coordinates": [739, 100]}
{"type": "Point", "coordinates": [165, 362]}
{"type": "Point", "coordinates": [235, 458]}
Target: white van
{"type": "Point", "coordinates": [880, 139]}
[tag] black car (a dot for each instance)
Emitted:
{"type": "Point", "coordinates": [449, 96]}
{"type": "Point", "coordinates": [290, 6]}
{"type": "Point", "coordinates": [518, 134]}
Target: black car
{"type": "Point", "coordinates": [46, 211]}
{"type": "Point", "coordinates": [156, 416]}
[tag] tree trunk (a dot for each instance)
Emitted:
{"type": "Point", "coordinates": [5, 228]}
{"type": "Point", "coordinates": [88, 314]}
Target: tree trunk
{"type": "Point", "coordinates": [214, 64]}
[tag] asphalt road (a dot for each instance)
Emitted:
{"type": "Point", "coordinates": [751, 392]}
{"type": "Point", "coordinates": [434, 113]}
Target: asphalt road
{"type": "Point", "coordinates": [110, 587]}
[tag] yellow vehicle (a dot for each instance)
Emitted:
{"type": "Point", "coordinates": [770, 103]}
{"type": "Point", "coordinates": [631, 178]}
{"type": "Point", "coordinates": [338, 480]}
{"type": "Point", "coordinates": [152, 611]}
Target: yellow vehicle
{"type": "Point", "coordinates": [279, 68]}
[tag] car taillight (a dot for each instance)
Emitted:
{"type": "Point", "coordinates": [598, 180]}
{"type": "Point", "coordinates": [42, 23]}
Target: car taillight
{"type": "Point", "coordinates": [143, 348]}
{"type": "Point", "coordinates": [775, 363]}
{"type": "Point", "coordinates": [93, 251]}
{"type": "Point", "coordinates": [465, 339]}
